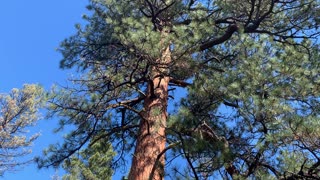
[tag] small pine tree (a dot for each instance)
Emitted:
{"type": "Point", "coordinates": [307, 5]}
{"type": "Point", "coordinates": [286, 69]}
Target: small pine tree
{"type": "Point", "coordinates": [94, 163]}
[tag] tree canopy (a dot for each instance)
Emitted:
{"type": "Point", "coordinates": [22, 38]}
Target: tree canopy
{"type": "Point", "coordinates": [19, 110]}
{"type": "Point", "coordinates": [250, 70]}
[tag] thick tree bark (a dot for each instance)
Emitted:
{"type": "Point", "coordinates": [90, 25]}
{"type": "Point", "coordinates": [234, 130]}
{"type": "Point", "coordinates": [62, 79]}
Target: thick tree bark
{"type": "Point", "coordinates": [151, 140]}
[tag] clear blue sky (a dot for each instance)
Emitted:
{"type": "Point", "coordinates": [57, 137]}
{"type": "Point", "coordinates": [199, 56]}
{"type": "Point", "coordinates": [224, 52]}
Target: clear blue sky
{"type": "Point", "coordinates": [30, 32]}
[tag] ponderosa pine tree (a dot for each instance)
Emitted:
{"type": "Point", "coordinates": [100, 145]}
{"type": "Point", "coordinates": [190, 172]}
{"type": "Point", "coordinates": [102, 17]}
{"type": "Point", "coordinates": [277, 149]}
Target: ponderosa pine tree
{"type": "Point", "coordinates": [251, 73]}
{"type": "Point", "coordinates": [19, 110]}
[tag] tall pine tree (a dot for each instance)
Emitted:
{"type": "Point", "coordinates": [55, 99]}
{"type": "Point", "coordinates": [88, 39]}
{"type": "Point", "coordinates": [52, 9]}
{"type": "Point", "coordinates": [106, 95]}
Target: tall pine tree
{"type": "Point", "coordinates": [251, 74]}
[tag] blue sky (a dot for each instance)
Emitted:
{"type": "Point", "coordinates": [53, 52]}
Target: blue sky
{"type": "Point", "coordinates": [29, 34]}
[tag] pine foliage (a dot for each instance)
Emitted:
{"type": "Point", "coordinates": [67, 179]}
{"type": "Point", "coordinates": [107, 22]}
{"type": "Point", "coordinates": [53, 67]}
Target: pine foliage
{"type": "Point", "coordinates": [250, 70]}
{"type": "Point", "coordinates": [19, 111]}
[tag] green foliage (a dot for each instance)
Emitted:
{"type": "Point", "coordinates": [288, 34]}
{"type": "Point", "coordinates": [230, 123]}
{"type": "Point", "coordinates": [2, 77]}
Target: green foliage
{"type": "Point", "coordinates": [19, 110]}
{"type": "Point", "coordinates": [93, 163]}
{"type": "Point", "coordinates": [251, 70]}
{"type": "Point", "coordinates": [272, 89]}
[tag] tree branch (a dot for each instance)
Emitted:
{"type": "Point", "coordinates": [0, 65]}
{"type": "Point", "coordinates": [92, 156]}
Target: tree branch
{"type": "Point", "coordinates": [170, 146]}
{"type": "Point", "coordinates": [179, 83]}
{"type": "Point", "coordinates": [227, 35]}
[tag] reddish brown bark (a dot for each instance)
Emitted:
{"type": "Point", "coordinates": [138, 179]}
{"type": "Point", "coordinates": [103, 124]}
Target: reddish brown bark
{"type": "Point", "coordinates": [151, 140]}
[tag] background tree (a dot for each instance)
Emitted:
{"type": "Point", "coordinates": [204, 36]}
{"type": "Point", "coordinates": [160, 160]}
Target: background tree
{"type": "Point", "coordinates": [93, 163]}
{"type": "Point", "coordinates": [257, 57]}
{"type": "Point", "coordinates": [19, 110]}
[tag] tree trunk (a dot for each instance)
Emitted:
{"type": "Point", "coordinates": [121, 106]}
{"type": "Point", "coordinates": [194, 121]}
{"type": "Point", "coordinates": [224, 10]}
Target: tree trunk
{"type": "Point", "coordinates": [151, 140]}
